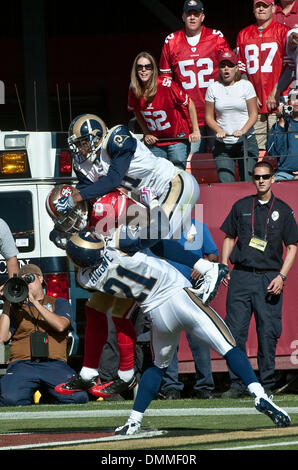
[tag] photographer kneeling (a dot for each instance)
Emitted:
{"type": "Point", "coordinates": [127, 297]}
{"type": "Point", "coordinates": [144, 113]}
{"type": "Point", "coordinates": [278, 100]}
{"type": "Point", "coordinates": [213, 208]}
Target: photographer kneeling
{"type": "Point", "coordinates": [283, 140]}
{"type": "Point", "coordinates": [37, 327]}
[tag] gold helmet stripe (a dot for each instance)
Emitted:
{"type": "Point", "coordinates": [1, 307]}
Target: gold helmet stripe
{"type": "Point", "coordinates": [78, 241]}
{"type": "Point", "coordinates": [84, 118]}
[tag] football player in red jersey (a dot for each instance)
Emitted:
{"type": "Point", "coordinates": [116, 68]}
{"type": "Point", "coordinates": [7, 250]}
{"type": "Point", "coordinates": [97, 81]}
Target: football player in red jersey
{"type": "Point", "coordinates": [163, 111]}
{"type": "Point", "coordinates": [190, 57]}
{"type": "Point", "coordinates": [262, 56]}
{"type": "Point", "coordinates": [106, 213]}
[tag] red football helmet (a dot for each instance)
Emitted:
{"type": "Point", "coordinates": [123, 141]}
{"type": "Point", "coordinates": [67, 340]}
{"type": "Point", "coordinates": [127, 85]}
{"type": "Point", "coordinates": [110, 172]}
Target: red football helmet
{"type": "Point", "coordinates": [109, 211]}
{"type": "Point", "coordinates": [72, 222]}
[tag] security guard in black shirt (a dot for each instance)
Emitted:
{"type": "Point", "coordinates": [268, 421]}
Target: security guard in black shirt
{"type": "Point", "coordinates": [261, 224]}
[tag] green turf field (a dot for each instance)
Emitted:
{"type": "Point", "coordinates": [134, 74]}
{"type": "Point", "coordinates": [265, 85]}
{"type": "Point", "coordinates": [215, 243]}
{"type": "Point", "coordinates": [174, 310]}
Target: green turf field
{"type": "Point", "coordinates": [188, 424]}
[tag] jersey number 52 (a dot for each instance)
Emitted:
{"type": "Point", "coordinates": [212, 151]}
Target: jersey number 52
{"type": "Point", "coordinates": [196, 72]}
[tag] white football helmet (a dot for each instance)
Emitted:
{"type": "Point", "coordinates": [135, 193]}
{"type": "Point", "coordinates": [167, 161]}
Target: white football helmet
{"type": "Point", "coordinates": [72, 222]}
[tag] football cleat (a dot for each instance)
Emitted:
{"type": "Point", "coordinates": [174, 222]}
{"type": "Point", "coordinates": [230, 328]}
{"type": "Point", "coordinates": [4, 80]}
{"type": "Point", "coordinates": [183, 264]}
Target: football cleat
{"type": "Point", "coordinates": [77, 384]}
{"type": "Point", "coordinates": [279, 417]}
{"type": "Point", "coordinates": [212, 279]}
{"type": "Point", "coordinates": [113, 387]}
{"type": "Point", "coordinates": [129, 428]}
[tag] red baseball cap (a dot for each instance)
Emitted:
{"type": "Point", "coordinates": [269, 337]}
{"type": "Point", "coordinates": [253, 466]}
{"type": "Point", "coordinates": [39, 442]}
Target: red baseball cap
{"type": "Point", "coordinates": [228, 56]}
{"type": "Point", "coordinates": [267, 2]}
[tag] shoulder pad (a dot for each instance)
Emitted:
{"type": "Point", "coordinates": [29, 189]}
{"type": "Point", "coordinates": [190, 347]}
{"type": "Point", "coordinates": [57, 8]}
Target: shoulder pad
{"type": "Point", "coordinates": [119, 138]}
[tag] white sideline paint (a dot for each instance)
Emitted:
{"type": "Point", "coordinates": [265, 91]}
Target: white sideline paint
{"type": "Point", "coordinates": [25, 415]}
{"type": "Point", "coordinates": [259, 446]}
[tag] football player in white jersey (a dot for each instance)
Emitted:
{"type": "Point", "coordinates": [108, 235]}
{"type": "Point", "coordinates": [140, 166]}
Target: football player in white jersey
{"type": "Point", "coordinates": [105, 160]}
{"type": "Point", "coordinates": [108, 159]}
{"type": "Point", "coordinates": [124, 266]}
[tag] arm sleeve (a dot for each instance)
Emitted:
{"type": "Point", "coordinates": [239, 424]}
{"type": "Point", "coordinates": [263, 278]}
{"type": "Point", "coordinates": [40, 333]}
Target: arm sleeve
{"type": "Point", "coordinates": [210, 94]}
{"type": "Point", "coordinates": [131, 99]}
{"type": "Point", "coordinates": [241, 59]}
{"type": "Point", "coordinates": [250, 92]}
{"type": "Point", "coordinates": [63, 308]}
{"type": "Point", "coordinates": [179, 96]}
{"type": "Point", "coordinates": [290, 233]}
{"type": "Point", "coordinates": [209, 246]}
{"type": "Point", "coordinates": [8, 247]}
{"type": "Point", "coordinates": [230, 225]}
{"type": "Point", "coordinates": [121, 152]}
{"type": "Point", "coordinates": [277, 141]}
{"type": "Point", "coordinates": [164, 63]}
{"type": "Point", "coordinates": [174, 251]}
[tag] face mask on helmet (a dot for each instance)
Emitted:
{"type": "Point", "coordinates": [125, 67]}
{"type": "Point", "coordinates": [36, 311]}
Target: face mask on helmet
{"type": "Point", "coordinates": [85, 249]}
{"type": "Point", "coordinates": [85, 136]}
{"type": "Point", "coordinates": [74, 221]}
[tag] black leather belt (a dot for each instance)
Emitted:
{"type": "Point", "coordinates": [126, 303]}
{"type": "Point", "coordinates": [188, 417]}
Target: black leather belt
{"type": "Point", "coordinates": [253, 270]}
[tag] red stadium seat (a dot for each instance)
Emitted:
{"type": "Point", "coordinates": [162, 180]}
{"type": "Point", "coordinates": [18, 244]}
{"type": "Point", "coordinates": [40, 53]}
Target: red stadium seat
{"type": "Point", "coordinates": [202, 167]}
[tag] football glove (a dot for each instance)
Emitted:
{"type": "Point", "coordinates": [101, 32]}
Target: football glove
{"type": "Point", "coordinates": [147, 195]}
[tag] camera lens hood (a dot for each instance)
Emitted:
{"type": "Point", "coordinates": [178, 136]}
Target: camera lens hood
{"type": "Point", "coordinates": [15, 290]}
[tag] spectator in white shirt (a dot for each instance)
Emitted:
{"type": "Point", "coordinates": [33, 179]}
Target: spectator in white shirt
{"type": "Point", "coordinates": [231, 111]}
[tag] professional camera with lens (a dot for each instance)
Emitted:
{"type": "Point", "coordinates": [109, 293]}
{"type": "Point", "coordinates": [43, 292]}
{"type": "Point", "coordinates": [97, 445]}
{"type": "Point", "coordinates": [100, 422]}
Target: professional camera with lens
{"type": "Point", "coordinates": [15, 290]}
{"type": "Point", "coordinates": [287, 110]}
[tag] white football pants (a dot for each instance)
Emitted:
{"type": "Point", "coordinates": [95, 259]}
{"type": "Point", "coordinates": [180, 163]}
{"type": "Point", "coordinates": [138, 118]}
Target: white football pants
{"type": "Point", "coordinates": [185, 312]}
{"type": "Point", "coordinates": [178, 202]}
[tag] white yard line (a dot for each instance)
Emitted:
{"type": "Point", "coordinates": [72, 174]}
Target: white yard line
{"type": "Point", "coordinates": [29, 415]}
{"type": "Point", "coordinates": [259, 446]}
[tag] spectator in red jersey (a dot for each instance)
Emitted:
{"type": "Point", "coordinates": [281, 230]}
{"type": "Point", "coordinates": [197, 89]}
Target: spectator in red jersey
{"type": "Point", "coordinates": [286, 12]}
{"type": "Point", "coordinates": [163, 110]}
{"type": "Point", "coordinates": [262, 56]}
{"type": "Point", "coordinates": [190, 57]}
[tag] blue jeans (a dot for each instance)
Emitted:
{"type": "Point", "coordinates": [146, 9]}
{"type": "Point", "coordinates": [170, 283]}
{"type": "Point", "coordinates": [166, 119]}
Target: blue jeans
{"type": "Point", "coordinates": [201, 356]}
{"type": "Point", "coordinates": [206, 144]}
{"type": "Point", "coordinates": [225, 156]}
{"type": "Point", "coordinates": [175, 153]}
{"type": "Point", "coordinates": [24, 378]}
{"type": "Point", "coordinates": [283, 176]}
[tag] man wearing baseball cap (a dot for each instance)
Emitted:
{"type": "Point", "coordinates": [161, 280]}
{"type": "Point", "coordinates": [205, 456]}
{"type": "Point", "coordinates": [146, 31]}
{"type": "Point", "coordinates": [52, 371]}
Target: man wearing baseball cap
{"type": "Point", "coordinates": [261, 53]}
{"type": "Point", "coordinates": [267, 2]}
{"type": "Point", "coordinates": [37, 329]}
{"type": "Point", "coordinates": [228, 56]}
{"type": "Point", "coordinates": [195, 5]}
{"type": "Point", "coordinates": [30, 269]}
{"type": "Point", "coordinates": [190, 57]}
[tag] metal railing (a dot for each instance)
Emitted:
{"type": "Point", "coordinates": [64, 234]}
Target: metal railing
{"type": "Point", "coordinates": [245, 156]}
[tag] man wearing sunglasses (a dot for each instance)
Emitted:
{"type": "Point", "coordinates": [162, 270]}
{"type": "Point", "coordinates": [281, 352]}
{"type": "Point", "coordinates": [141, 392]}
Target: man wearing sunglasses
{"type": "Point", "coordinates": [262, 57]}
{"type": "Point", "coordinates": [190, 57]}
{"type": "Point", "coordinates": [257, 229]}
